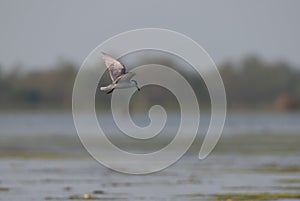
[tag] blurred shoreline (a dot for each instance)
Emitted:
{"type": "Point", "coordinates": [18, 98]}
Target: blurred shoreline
{"type": "Point", "coordinates": [55, 133]}
{"type": "Point", "coordinates": [55, 146]}
{"type": "Point", "coordinates": [251, 84]}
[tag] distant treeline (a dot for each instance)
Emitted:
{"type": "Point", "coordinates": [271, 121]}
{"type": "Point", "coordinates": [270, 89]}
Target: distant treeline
{"type": "Point", "coordinates": [38, 89]}
{"type": "Point", "coordinates": [253, 83]}
{"type": "Point", "coordinates": [250, 84]}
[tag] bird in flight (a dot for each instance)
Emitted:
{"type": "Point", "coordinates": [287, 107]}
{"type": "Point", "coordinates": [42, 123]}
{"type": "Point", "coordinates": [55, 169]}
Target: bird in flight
{"type": "Point", "coordinates": [119, 77]}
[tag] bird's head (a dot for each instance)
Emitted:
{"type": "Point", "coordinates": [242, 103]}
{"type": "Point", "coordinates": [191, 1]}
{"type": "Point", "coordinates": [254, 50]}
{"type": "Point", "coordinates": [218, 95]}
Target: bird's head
{"type": "Point", "coordinates": [134, 82]}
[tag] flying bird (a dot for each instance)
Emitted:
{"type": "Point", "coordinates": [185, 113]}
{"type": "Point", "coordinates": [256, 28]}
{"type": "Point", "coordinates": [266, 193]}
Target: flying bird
{"type": "Point", "coordinates": [119, 77]}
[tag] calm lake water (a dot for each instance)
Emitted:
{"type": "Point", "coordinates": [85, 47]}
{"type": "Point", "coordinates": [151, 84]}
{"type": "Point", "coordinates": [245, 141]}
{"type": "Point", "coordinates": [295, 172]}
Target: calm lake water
{"type": "Point", "coordinates": [41, 158]}
{"type": "Point", "coordinates": [62, 123]}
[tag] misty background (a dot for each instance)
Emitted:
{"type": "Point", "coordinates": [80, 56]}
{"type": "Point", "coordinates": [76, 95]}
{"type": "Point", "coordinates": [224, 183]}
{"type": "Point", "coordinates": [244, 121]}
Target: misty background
{"type": "Point", "coordinates": [37, 34]}
{"type": "Point", "coordinates": [255, 46]}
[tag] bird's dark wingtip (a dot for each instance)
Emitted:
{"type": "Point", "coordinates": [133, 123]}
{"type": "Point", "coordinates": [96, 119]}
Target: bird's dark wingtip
{"type": "Point", "coordinates": [103, 53]}
{"type": "Point", "coordinates": [110, 91]}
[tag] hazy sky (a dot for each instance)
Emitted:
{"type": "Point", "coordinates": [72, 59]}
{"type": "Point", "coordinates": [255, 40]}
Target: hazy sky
{"type": "Point", "coordinates": [38, 33]}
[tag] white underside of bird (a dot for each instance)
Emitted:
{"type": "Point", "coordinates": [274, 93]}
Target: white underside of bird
{"type": "Point", "coordinates": [119, 77]}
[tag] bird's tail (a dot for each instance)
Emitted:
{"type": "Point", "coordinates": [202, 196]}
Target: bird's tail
{"type": "Point", "coordinates": [109, 87]}
{"type": "Point", "coordinates": [103, 88]}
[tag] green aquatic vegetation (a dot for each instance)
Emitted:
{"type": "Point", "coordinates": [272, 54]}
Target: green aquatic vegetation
{"type": "Point", "coordinates": [4, 189]}
{"type": "Point", "coordinates": [296, 188]}
{"type": "Point", "coordinates": [255, 196]}
{"type": "Point", "coordinates": [275, 169]}
{"type": "Point", "coordinates": [191, 195]}
{"type": "Point", "coordinates": [289, 181]}
{"type": "Point", "coordinates": [78, 197]}
{"type": "Point", "coordinates": [241, 187]}
{"type": "Point", "coordinates": [290, 188]}
{"type": "Point", "coordinates": [58, 156]}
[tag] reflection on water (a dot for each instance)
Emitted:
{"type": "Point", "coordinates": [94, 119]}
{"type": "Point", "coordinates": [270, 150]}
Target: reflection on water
{"type": "Point", "coordinates": [189, 179]}
{"type": "Point", "coordinates": [62, 123]}
{"type": "Point", "coordinates": [258, 154]}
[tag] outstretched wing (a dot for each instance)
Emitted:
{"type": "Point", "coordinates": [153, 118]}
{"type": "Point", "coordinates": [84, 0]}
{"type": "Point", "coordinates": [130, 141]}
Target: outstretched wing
{"type": "Point", "coordinates": [125, 77]}
{"type": "Point", "coordinates": [115, 67]}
